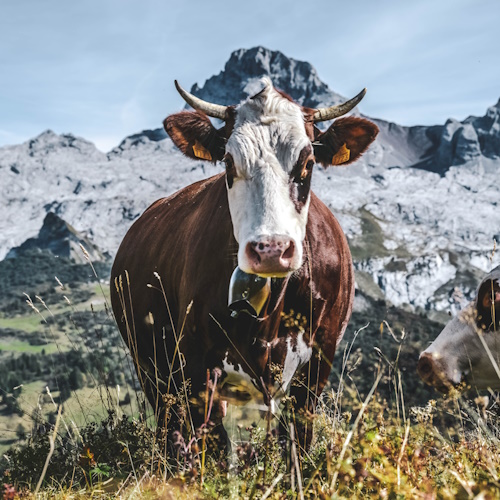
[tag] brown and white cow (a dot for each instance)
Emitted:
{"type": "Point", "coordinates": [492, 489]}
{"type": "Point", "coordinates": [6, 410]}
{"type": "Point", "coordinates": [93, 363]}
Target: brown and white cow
{"type": "Point", "coordinates": [171, 275]}
{"type": "Point", "coordinates": [468, 348]}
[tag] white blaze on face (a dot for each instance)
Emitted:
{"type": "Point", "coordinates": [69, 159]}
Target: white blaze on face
{"type": "Point", "coordinates": [460, 354]}
{"type": "Point", "coordinates": [267, 139]}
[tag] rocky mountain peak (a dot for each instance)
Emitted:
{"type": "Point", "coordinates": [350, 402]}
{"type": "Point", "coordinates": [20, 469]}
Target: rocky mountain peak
{"type": "Point", "coordinates": [61, 239]}
{"type": "Point", "coordinates": [245, 67]}
{"type": "Point", "coordinates": [488, 131]}
{"type": "Point", "coordinates": [48, 143]}
{"type": "Point", "coordinates": [459, 144]}
{"type": "Point", "coordinates": [46, 136]}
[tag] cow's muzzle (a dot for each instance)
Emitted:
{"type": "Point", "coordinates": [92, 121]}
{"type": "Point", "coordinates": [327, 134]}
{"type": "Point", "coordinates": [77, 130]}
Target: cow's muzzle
{"type": "Point", "coordinates": [272, 256]}
{"type": "Point", "coordinates": [432, 372]}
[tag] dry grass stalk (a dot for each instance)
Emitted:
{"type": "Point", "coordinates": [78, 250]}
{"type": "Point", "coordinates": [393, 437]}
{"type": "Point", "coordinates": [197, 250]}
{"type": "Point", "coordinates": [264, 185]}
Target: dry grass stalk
{"type": "Point", "coordinates": [354, 427]}
{"type": "Point", "coordinates": [405, 440]}
{"type": "Point", "coordinates": [295, 461]}
{"type": "Point", "coordinates": [269, 490]}
{"type": "Point", "coordinates": [204, 437]}
{"type": "Point", "coordinates": [51, 451]}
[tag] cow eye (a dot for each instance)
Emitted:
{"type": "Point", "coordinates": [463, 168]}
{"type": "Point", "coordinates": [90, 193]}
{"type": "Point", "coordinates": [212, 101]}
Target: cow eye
{"type": "Point", "coordinates": [230, 170]}
{"type": "Point", "coordinates": [228, 160]}
{"type": "Point", "coordinates": [230, 167]}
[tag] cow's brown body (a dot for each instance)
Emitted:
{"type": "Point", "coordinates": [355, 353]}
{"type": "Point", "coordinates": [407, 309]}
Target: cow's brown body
{"type": "Point", "coordinates": [187, 240]}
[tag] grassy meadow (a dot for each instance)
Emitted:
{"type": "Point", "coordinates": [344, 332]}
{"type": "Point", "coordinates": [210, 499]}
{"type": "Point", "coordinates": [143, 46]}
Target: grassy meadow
{"type": "Point", "coordinates": [73, 422]}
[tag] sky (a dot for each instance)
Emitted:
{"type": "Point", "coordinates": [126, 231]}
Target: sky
{"type": "Point", "coordinates": [104, 69]}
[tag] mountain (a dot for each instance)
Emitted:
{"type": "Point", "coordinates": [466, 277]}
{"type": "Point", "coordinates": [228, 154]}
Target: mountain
{"type": "Point", "coordinates": [241, 74]}
{"type": "Point", "coordinates": [61, 239]}
{"type": "Point", "coordinates": [420, 208]}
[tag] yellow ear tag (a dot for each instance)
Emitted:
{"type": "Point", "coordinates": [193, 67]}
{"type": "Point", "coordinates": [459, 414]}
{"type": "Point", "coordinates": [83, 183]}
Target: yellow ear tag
{"type": "Point", "coordinates": [342, 155]}
{"type": "Point", "coordinates": [201, 152]}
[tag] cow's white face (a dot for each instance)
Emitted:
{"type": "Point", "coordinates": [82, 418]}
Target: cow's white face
{"type": "Point", "coordinates": [269, 159]}
{"type": "Point", "coordinates": [267, 146]}
{"type": "Point", "coordinates": [458, 354]}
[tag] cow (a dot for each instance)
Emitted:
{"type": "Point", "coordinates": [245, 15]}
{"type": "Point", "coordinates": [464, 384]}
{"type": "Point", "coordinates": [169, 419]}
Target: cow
{"type": "Point", "coordinates": [467, 351]}
{"type": "Point", "coordinates": [170, 281]}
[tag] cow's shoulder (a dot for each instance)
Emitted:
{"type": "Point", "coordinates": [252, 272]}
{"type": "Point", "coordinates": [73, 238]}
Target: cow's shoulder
{"type": "Point", "coordinates": [188, 194]}
{"type": "Point", "coordinates": [326, 241]}
{"type": "Point", "coordinates": [329, 264]}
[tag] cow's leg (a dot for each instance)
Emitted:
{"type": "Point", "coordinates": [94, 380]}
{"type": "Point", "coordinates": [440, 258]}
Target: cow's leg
{"type": "Point", "coordinates": [151, 381]}
{"type": "Point", "coordinates": [154, 392]}
{"type": "Point", "coordinates": [160, 374]}
{"type": "Point", "coordinates": [207, 411]}
{"type": "Point", "coordinates": [305, 389]}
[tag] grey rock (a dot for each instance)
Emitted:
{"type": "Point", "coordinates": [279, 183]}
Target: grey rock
{"type": "Point", "coordinates": [62, 240]}
{"type": "Point", "coordinates": [245, 67]}
{"type": "Point", "coordinates": [459, 144]}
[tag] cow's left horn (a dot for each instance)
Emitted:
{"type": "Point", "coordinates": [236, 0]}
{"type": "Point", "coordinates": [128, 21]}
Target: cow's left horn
{"type": "Point", "coordinates": [323, 114]}
{"type": "Point", "coordinates": [213, 110]}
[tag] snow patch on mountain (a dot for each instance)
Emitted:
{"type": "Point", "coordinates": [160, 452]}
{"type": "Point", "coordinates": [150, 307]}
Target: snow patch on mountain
{"type": "Point", "coordinates": [413, 281]}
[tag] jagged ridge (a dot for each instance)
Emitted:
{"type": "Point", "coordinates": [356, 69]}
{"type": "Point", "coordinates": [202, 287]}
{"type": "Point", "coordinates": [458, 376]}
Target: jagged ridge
{"type": "Point", "coordinates": [420, 208]}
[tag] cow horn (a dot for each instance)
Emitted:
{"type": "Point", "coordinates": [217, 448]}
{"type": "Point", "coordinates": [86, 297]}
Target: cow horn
{"type": "Point", "coordinates": [213, 110]}
{"type": "Point", "coordinates": [323, 114]}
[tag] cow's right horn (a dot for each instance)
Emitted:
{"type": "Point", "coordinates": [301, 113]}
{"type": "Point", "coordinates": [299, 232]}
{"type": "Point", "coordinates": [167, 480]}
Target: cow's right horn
{"type": "Point", "coordinates": [323, 114]}
{"type": "Point", "coordinates": [213, 110]}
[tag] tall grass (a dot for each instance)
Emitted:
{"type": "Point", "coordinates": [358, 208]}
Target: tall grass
{"type": "Point", "coordinates": [365, 444]}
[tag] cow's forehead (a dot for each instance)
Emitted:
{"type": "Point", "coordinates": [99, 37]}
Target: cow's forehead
{"type": "Point", "coordinates": [268, 127]}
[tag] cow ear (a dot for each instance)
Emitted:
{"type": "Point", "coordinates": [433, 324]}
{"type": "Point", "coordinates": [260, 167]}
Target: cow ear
{"type": "Point", "coordinates": [488, 304]}
{"type": "Point", "coordinates": [193, 133]}
{"type": "Point", "coordinates": [344, 141]}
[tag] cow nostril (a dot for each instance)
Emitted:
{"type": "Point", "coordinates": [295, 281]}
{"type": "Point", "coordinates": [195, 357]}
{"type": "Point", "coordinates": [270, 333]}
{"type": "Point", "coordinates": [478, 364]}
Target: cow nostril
{"type": "Point", "coordinates": [252, 252]}
{"type": "Point", "coordinates": [290, 250]}
{"type": "Point", "coordinates": [424, 367]}
{"type": "Point", "coordinates": [427, 369]}
{"type": "Point", "coordinates": [261, 246]}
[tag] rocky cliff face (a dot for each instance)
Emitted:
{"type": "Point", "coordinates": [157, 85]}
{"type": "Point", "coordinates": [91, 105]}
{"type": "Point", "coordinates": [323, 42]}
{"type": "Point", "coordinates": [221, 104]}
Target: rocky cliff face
{"type": "Point", "coordinates": [241, 74]}
{"type": "Point", "coordinates": [61, 239]}
{"type": "Point", "coordinates": [457, 143]}
{"type": "Point", "coordinates": [488, 131]}
{"type": "Point", "coordinates": [420, 208]}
